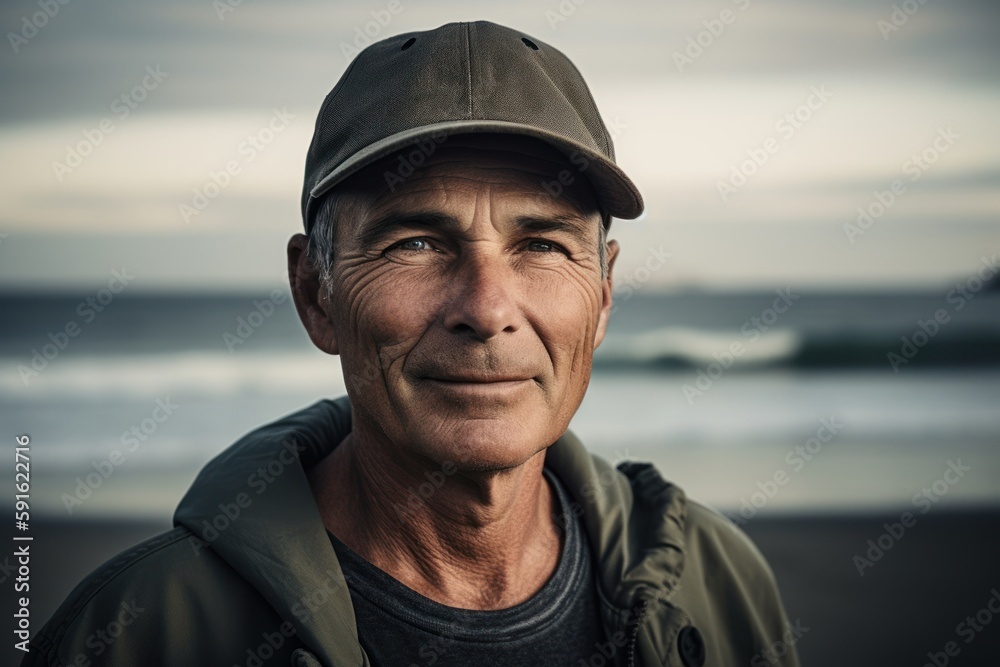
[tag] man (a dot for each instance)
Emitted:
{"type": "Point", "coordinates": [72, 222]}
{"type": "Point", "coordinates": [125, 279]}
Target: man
{"type": "Point", "coordinates": [457, 195]}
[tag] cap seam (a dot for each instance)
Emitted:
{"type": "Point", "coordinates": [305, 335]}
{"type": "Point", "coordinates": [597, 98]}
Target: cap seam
{"type": "Point", "coordinates": [345, 140]}
{"type": "Point", "coordinates": [468, 69]}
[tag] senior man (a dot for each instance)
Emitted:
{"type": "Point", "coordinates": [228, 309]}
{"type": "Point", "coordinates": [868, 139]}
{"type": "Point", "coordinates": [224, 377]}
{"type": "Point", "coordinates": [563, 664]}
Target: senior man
{"type": "Point", "coordinates": [458, 192]}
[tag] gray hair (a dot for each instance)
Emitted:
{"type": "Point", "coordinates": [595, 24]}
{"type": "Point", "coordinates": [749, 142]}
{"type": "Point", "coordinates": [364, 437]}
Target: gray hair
{"type": "Point", "coordinates": [319, 248]}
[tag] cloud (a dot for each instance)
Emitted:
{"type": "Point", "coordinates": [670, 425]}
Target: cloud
{"type": "Point", "coordinates": [682, 132]}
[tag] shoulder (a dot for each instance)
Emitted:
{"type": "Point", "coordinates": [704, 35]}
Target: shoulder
{"type": "Point", "coordinates": [716, 552]}
{"type": "Point", "coordinates": [152, 603]}
{"type": "Point", "coordinates": [728, 587]}
{"type": "Point", "coordinates": [714, 572]}
{"type": "Point", "coordinates": [711, 535]}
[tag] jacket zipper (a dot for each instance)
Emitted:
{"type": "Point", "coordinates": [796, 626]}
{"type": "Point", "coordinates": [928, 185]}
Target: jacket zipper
{"type": "Point", "coordinates": [632, 629]}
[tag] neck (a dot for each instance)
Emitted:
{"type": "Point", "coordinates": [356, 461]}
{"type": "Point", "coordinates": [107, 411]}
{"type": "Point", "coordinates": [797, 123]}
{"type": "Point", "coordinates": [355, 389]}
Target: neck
{"type": "Point", "coordinates": [466, 539]}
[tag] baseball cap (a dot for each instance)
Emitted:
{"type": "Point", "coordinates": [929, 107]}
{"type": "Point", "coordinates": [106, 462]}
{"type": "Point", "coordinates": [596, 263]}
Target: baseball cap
{"type": "Point", "coordinates": [419, 88]}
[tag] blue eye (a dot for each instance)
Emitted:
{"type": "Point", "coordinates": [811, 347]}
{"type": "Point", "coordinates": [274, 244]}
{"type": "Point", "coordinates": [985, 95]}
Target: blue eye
{"type": "Point", "coordinates": [543, 246]}
{"type": "Point", "coordinates": [414, 245]}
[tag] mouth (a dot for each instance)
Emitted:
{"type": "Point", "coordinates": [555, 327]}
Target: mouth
{"type": "Point", "coordinates": [479, 379]}
{"type": "Point", "coordinates": [480, 385]}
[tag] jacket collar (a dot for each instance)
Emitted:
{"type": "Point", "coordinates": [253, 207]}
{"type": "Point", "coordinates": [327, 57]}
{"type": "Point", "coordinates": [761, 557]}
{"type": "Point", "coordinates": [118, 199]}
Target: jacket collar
{"type": "Point", "coordinates": [634, 521]}
{"type": "Point", "coordinates": [253, 506]}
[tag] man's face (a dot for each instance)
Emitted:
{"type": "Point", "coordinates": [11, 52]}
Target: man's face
{"type": "Point", "coordinates": [466, 305]}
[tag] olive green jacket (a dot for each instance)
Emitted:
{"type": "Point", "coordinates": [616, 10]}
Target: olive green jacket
{"type": "Point", "coordinates": [248, 576]}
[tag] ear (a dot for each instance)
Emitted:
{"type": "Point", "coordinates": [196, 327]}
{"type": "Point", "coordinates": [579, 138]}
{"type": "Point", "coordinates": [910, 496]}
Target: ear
{"type": "Point", "coordinates": [606, 285]}
{"type": "Point", "coordinates": [310, 300]}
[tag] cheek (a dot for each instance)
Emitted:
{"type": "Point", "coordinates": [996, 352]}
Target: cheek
{"type": "Point", "coordinates": [566, 310]}
{"type": "Point", "coordinates": [383, 312]}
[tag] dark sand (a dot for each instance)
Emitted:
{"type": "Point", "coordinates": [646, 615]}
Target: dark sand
{"type": "Point", "coordinates": [908, 604]}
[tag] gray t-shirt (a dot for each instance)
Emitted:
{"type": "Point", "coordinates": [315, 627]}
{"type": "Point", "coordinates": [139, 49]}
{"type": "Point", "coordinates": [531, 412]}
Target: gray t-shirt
{"type": "Point", "coordinates": [559, 625]}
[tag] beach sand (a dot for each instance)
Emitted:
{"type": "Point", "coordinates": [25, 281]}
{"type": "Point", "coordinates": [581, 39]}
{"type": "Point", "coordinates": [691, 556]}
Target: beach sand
{"type": "Point", "coordinates": [907, 604]}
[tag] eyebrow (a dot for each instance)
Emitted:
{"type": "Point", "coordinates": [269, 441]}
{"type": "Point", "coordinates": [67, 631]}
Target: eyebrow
{"type": "Point", "coordinates": [569, 224]}
{"type": "Point", "coordinates": [376, 230]}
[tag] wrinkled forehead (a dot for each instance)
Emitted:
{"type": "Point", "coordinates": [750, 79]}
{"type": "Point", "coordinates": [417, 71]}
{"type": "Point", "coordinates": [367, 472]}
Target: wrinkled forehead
{"type": "Point", "coordinates": [544, 176]}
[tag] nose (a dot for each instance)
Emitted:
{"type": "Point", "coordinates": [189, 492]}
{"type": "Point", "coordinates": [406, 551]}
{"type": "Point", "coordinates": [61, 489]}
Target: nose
{"type": "Point", "coordinates": [485, 303]}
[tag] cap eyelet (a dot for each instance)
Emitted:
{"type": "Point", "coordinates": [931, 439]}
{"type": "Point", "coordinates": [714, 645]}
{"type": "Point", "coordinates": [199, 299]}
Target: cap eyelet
{"type": "Point", "coordinates": [408, 43]}
{"type": "Point", "coordinates": [530, 44]}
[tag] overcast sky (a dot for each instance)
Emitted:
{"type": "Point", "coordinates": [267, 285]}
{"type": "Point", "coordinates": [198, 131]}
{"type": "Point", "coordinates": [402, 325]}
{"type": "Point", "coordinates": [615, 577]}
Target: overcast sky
{"type": "Point", "coordinates": [211, 74]}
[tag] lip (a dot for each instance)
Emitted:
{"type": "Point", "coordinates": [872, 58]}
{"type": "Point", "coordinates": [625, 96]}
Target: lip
{"type": "Point", "coordinates": [480, 386]}
{"type": "Point", "coordinates": [469, 379]}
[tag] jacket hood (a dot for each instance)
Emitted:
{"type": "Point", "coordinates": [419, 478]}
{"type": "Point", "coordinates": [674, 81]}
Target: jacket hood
{"type": "Point", "coordinates": [253, 506]}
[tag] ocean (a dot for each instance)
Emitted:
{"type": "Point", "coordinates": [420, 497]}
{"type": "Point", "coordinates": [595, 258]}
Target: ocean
{"type": "Point", "coordinates": [777, 402]}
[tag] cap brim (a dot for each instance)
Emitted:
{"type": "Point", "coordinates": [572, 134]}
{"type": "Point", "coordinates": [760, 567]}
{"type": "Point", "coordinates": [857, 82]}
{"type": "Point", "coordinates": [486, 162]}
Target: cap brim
{"type": "Point", "coordinates": [617, 194]}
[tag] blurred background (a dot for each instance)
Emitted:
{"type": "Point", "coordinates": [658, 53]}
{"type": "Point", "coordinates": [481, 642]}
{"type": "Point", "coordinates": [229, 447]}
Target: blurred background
{"type": "Point", "coordinates": [807, 323]}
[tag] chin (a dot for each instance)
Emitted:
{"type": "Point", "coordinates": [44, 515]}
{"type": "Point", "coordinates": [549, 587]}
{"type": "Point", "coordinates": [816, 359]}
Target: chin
{"type": "Point", "coordinates": [482, 445]}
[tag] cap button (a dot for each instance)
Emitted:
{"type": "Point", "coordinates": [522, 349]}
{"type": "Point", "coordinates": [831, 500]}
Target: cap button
{"type": "Point", "coordinates": [691, 646]}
